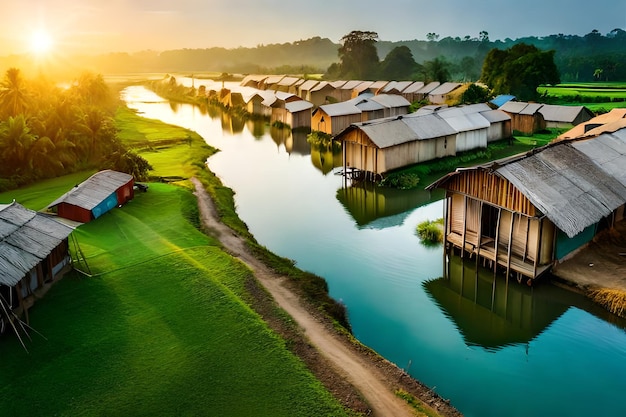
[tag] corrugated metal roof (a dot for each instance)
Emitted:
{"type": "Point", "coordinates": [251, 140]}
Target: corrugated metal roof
{"type": "Point", "coordinates": [495, 116]}
{"type": "Point", "coordinates": [94, 190]}
{"type": "Point", "coordinates": [502, 99]}
{"type": "Point", "coordinates": [566, 186]}
{"type": "Point", "coordinates": [322, 85]}
{"type": "Point", "coordinates": [378, 85]}
{"type": "Point", "coordinates": [350, 85]}
{"type": "Point", "coordinates": [388, 133]}
{"type": "Point", "coordinates": [393, 131]}
{"type": "Point", "coordinates": [445, 88]}
{"type": "Point", "coordinates": [299, 105]}
{"type": "Point", "coordinates": [288, 81]}
{"type": "Point", "coordinates": [273, 79]}
{"type": "Point", "coordinates": [426, 89]}
{"type": "Point", "coordinates": [398, 86]}
{"type": "Point", "coordinates": [608, 151]}
{"type": "Point", "coordinates": [252, 79]}
{"type": "Point", "coordinates": [514, 107]}
{"type": "Point", "coordinates": [464, 122]}
{"type": "Point", "coordinates": [531, 108]}
{"type": "Point", "coordinates": [369, 105]}
{"type": "Point", "coordinates": [343, 108]}
{"type": "Point", "coordinates": [564, 114]}
{"type": "Point", "coordinates": [26, 238]}
{"type": "Point", "coordinates": [308, 85]}
{"type": "Point", "coordinates": [338, 83]}
{"type": "Point", "coordinates": [391, 100]}
{"type": "Point", "coordinates": [574, 183]}
{"type": "Point", "coordinates": [413, 88]}
{"type": "Point", "coordinates": [363, 86]}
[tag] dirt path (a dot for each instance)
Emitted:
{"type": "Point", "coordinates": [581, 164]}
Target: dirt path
{"type": "Point", "coordinates": [358, 369]}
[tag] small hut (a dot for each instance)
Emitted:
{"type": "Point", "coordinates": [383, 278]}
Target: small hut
{"type": "Point", "coordinates": [382, 145]}
{"type": "Point", "coordinates": [525, 117]}
{"type": "Point", "coordinates": [305, 88]}
{"type": "Point", "coordinates": [394, 105]}
{"type": "Point", "coordinates": [333, 118]}
{"type": "Point", "coordinates": [440, 94]}
{"type": "Point", "coordinates": [564, 116]}
{"type": "Point", "coordinates": [34, 251]}
{"type": "Point", "coordinates": [323, 93]}
{"type": "Point", "coordinates": [95, 196]}
{"type": "Point", "coordinates": [524, 213]}
{"type": "Point", "coordinates": [425, 90]}
{"type": "Point", "coordinates": [395, 87]}
{"type": "Point", "coordinates": [411, 92]}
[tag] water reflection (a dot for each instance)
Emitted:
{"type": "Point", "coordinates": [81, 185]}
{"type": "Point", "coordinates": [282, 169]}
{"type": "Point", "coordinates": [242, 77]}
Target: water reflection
{"type": "Point", "coordinates": [257, 126]}
{"type": "Point", "coordinates": [490, 311]}
{"type": "Point", "coordinates": [232, 122]}
{"type": "Point", "coordinates": [297, 142]}
{"type": "Point", "coordinates": [381, 207]}
{"type": "Point", "coordinates": [326, 157]}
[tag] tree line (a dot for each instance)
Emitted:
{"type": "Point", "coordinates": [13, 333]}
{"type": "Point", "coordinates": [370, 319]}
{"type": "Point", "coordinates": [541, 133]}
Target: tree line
{"type": "Point", "coordinates": [518, 70]}
{"type": "Point", "coordinates": [47, 130]}
{"type": "Point", "coordinates": [592, 57]}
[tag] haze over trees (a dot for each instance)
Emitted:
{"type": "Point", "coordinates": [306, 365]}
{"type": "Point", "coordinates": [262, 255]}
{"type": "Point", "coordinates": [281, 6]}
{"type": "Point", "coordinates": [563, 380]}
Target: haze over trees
{"type": "Point", "coordinates": [588, 58]}
{"type": "Point", "coordinates": [46, 131]}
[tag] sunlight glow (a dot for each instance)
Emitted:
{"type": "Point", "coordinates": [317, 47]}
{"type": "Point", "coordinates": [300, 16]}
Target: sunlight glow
{"type": "Point", "coordinates": [41, 42]}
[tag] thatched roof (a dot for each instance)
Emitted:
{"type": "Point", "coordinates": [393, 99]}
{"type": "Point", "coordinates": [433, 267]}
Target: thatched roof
{"type": "Point", "coordinates": [26, 238]}
{"type": "Point", "coordinates": [94, 190]}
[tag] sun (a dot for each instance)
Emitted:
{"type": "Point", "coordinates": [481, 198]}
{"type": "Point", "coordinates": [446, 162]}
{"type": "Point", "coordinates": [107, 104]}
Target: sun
{"type": "Point", "coordinates": [41, 42]}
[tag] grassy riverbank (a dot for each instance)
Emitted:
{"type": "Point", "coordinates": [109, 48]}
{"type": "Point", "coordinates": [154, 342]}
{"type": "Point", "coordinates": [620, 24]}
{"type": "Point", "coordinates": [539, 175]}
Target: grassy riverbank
{"type": "Point", "coordinates": [161, 328]}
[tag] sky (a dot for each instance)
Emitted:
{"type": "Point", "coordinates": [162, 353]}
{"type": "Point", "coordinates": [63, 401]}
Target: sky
{"type": "Point", "coordinates": [101, 26]}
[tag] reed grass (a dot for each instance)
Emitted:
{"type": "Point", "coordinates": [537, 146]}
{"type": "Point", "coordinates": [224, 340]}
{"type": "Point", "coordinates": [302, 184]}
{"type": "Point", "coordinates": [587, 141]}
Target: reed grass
{"type": "Point", "coordinates": [611, 299]}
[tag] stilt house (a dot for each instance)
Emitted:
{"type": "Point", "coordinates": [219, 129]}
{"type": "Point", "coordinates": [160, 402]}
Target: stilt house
{"type": "Point", "coordinates": [524, 213]}
{"type": "Point", "coordinates": [382, 145]}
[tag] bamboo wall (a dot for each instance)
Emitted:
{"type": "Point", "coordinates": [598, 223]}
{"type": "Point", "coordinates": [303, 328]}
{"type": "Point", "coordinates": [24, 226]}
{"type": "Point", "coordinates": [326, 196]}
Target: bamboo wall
{"type": "Point", "coordinates": [529, 238]}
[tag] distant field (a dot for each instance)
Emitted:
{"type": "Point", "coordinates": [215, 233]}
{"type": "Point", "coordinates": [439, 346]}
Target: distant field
{"type": "Point", "coordinates": [595, 96]}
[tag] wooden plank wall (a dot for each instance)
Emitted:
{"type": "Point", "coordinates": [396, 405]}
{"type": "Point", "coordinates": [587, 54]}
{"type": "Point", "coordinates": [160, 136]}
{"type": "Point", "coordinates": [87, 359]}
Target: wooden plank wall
{"type": "Point", "coordinates": [483, 185]}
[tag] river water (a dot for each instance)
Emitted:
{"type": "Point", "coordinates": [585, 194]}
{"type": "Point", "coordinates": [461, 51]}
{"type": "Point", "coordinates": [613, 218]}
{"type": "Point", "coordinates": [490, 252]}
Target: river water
{"type": "Point", "coordinates": [492, 348]}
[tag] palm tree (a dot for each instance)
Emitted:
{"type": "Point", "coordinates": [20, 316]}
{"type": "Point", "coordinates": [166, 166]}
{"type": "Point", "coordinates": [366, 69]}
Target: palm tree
{"type": "Point", "coordinates": [14, 97]}
{"type": "Point", "coordinates": [15, 142]}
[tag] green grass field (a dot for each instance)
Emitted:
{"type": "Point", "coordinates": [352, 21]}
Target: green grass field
{"type": "Point", "coordinates": [597, 97]}
{"type": "Point", "coordinates": [172, 151]}
{"type": "Point", "coordinates": [160, 329]}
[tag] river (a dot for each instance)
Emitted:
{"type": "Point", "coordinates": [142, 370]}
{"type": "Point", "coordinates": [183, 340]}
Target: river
{"type": "Point", "coordinates": [493, 348]}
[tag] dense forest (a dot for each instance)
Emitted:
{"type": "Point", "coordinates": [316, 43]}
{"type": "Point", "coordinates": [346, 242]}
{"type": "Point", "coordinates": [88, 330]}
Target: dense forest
{"type": "Point", "coordinates": [46, 131]}
{"type": "Point", "coordinates": [592, 57]}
